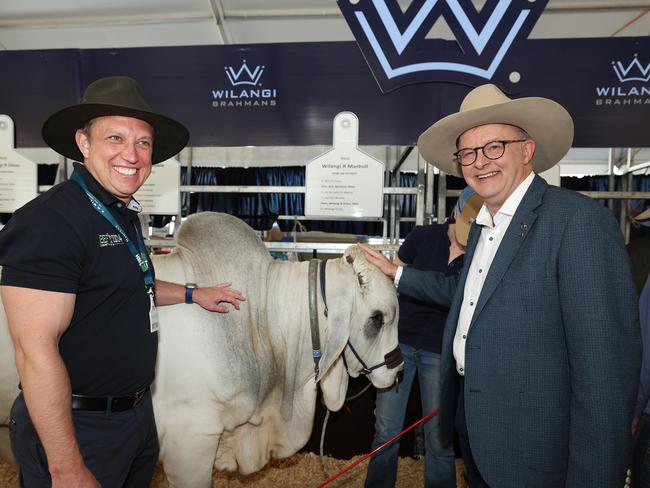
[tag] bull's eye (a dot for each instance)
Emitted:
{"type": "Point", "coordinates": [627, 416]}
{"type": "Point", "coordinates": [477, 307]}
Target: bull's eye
{"type": "Point", "coordinates": [374, 323]}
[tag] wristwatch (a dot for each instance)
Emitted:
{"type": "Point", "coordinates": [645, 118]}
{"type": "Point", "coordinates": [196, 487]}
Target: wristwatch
{"type": "Point", "coordinates": [189, 290]}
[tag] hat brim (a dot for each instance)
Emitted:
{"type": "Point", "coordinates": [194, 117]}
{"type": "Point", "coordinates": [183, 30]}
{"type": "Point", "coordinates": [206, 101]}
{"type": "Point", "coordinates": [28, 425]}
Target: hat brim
{"type": "Point", "coordinates": [466, 217]}
{"type": "Point", "coordinates": [58, 131]}
{"type": "Point", "coordinates": [645, 215]}
{"type": "Point", "coordinates": [547, 123]}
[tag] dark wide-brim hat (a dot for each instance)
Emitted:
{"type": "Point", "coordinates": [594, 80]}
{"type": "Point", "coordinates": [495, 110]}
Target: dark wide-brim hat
{"type": "Point", "coordinates": [547, 122]}
{"type": "Point", "coordinates": [115, 95]}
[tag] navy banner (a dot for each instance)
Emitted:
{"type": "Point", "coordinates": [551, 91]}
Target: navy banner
{"type": "Point", "coordinates": [288, 94]}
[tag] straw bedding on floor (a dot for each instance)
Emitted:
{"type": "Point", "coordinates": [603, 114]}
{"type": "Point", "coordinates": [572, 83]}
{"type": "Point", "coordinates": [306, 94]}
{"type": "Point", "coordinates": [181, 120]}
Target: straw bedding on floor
{"type": "Point", "coordinates": [300, 470]}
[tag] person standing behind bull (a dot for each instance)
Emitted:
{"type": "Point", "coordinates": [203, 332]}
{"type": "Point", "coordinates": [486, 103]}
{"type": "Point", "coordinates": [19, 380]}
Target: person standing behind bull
{"type": "Point", "coordinates": [79, 291]}
{"type": "Point", "coordinates": [541, 350]}
{"type": "Point", "coordinates": [438, 247]}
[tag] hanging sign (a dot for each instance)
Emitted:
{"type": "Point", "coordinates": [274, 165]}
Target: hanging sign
{"type": "Point", "coordinates": [344, 182]}
{"type": "Point", "coordinates": [18, 175]}
{"type": "Point", "coordinates": [159, 195]}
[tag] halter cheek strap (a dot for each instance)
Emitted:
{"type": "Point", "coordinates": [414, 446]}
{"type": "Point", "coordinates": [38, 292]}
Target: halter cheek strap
{"type": "Point", "coordinates": [391, 360]}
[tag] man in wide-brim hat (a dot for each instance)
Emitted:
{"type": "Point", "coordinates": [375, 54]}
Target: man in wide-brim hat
{"type": "Point", "coordinates": [80, 295]}
{"type": "Point", "coordinates": [541, 350]}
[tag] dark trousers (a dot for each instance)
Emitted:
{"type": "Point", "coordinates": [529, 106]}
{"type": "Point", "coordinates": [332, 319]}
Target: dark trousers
{"type": "Point", "coordinates": [119, 448]}
{"type": "Point", "coordinates": [641, 462]}
{"type": "Point", "coordinates": [473, 476]}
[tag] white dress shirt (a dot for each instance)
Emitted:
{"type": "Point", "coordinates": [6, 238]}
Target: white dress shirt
{"type": "Point", "coordinates": [492, 232]}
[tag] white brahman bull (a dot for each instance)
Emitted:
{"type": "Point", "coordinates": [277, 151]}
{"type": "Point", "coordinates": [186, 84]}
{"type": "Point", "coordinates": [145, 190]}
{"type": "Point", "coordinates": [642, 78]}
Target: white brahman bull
{"type": "Point", "coordinates": [234, 390]}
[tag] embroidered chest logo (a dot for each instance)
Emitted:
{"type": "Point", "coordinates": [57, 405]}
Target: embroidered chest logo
{"type": "Point", "coordinates": [107, 240]}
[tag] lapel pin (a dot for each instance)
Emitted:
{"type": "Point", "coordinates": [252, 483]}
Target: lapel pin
{"type": "Point", "coordinates": [523, 228]}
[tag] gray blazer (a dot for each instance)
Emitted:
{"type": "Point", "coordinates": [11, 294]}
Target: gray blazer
{"type": "Point", "coordinates": [553, 351]}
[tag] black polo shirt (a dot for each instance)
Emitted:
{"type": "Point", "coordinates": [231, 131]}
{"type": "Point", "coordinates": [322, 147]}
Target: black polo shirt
{"type": "Point", "coordinates": [59, 242]}
{"type": "Point", "coordinates": [421, 324]}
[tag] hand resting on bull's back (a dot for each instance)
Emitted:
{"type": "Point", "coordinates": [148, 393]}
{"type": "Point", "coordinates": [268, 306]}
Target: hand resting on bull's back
{"type": "Point", "coordinates": [215, 297]}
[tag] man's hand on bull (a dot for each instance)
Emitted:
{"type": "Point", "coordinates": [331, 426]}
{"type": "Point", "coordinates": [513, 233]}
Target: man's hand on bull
{"type": "Point", "coordinates": [214, 297]}
{"type": "Point", "coordinates": [378, 259]}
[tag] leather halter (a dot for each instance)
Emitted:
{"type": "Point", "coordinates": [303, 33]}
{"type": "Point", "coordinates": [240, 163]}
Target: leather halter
{"type": "Point", "coordinates": [313, 314]}
{"type": "Point", "coordinates": [392, 359]}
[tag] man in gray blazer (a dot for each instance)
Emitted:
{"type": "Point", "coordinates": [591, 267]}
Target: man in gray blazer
{"type": "Point", "coordinates": [541, 351]}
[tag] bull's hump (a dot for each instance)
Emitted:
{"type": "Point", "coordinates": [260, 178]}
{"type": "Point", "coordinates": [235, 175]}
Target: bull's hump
{"type": "Point", "coordinates": [212, 231]}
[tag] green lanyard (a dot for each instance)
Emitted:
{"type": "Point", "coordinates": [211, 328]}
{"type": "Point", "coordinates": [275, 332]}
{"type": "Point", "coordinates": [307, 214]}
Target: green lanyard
{"type": "Point", "coordinates": [140, 254]}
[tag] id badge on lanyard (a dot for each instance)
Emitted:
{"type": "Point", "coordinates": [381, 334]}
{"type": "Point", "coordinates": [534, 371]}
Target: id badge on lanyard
{"type": "Point", "coordinates": [153, 312]}
{"type": "Point", "coordinates": [140, 253]}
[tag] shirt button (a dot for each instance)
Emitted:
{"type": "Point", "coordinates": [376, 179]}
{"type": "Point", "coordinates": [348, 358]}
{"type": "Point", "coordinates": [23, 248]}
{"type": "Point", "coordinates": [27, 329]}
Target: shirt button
{"type": "Point", "coordinates": [480, 270]}
{"type": "Point", "coordinates": [461, 369]}
{"type": "Point", "coordinates": [464, 337]}
{"type": "Point", "coordinates": [491, 238]}
{"type": "Point", "coordinates": [471, 304]}
{"type": "Point", "coordinates": [119, 205]}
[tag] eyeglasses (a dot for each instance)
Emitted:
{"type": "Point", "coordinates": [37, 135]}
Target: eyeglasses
{"type": "Point", "coordinates": [492, 150]}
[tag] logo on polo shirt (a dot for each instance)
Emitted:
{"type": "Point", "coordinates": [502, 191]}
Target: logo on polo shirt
{"type": "Point", "coordinates": [110, 240]}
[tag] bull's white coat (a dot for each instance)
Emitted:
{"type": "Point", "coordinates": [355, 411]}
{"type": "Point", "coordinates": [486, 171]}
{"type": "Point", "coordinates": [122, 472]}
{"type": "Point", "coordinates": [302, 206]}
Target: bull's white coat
{"type": "Point", "coordinates": [235, 390]}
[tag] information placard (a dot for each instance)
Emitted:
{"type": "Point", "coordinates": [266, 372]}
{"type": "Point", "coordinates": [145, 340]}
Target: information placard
{"type": "Point", "coordinates": [345, 181]}
{"type": "Point", "coordinates": [18, 175]}
{"type": "Point", "coordinates": [160, 193]}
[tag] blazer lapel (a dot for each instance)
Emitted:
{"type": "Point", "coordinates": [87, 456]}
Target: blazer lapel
{"type": "Point", "coordinates": [516, 233]}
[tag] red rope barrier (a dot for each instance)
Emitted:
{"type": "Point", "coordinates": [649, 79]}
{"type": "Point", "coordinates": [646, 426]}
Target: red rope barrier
{"type": "Point", "coordinates": [378, 448]}
{"type": "Point", "coordinates": [628, 24]}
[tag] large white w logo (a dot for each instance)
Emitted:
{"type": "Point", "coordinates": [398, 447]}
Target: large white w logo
{"type": "Point", "coordinates": [478, 39]}
{"type": "Point", "coordinates": [393, 36]}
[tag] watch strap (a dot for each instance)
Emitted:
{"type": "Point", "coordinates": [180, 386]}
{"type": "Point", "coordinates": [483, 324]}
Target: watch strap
{"type": "Point", "coordinates": [189, 290]}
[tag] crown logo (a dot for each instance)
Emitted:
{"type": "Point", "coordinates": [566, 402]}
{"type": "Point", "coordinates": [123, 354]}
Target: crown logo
{"type": "Point", "coordinates": [395, 43]}
{"type": "Point", "coordinates": [244, 76]}
{"type": "Point", "coordinates": [634, 71]}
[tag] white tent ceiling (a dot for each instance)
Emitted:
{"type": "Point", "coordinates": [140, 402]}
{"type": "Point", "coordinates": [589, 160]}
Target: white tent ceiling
{"type": "Point", "coordinates": [47, 24]}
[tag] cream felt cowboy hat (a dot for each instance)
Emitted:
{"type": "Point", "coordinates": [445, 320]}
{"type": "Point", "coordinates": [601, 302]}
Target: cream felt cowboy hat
{"type": "Point", "coordinates": [546, 121]}
{"type": "Point", "coordinates": [115, 95]}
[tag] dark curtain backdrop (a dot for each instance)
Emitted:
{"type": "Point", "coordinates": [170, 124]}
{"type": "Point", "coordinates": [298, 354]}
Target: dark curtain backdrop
{"type": "Point", "coordinates": [260, 210]}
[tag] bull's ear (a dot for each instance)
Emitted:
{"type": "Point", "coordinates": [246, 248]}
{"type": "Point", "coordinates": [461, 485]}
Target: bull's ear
{"type": "Point", "coordinates": [355, 258]}
{"type": "Point", "coordinates": [335, 330]}
{"type": "Point", "coordinates": [334, 385]}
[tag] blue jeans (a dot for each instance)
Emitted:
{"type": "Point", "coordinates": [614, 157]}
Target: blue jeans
{"type": "Point", "coordinates": [390, 409]}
